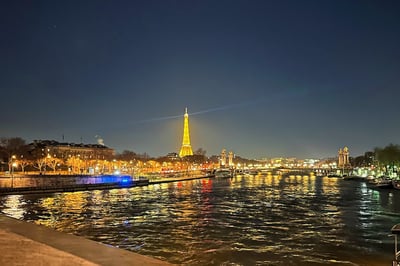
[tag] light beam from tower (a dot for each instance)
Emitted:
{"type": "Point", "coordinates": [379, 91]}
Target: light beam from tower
{"type": "Point", "coordinates": [186, 148]}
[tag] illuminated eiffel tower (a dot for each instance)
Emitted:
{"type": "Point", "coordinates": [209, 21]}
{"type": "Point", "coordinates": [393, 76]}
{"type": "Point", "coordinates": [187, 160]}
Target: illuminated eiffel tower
{"type": "Point", "coordinates": [186, 148]}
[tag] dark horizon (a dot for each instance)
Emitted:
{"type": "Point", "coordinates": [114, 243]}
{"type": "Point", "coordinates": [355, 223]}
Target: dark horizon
{"type": "Point", "coordinates": [260, 78]}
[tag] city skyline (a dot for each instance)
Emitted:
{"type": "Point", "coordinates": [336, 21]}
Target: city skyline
{"type": "Point", "coordinates": [260, 78]}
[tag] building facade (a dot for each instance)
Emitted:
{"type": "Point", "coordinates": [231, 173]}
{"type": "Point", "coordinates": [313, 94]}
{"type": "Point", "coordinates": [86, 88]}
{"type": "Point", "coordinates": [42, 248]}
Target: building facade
{"type": "Point", "coordinates": [63, 151]}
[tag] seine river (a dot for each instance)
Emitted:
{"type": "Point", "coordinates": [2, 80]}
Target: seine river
{"type": "Point", "coordinates": [246, 220]}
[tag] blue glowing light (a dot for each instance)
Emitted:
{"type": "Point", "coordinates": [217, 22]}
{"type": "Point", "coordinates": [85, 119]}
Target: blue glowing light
{"type": "Point", "coordinates": [126, 179]}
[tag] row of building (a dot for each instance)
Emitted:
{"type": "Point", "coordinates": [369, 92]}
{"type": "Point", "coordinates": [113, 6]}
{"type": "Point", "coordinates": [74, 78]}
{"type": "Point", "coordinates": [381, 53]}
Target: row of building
{"type": "Point", "coordinates": [63, 150]}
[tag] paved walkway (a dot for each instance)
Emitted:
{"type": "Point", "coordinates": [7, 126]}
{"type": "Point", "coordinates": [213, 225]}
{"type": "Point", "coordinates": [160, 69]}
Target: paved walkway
{"type": "Point", "coordinates": [23, 243]}
{"type": "Point", "coordinates": [19, 250]}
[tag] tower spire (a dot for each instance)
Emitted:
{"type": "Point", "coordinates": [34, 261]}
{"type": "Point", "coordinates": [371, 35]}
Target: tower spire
{"type": "Point", "coordinates": [186, 148]}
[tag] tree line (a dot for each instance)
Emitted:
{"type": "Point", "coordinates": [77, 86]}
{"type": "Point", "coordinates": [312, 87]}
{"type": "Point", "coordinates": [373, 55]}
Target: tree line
{"type": "Point", "coordinates": [386, 158]}
{"type": "Point", "coordinates": [23, 153]}
{"type": "Point", "coordinates": [16, 149]}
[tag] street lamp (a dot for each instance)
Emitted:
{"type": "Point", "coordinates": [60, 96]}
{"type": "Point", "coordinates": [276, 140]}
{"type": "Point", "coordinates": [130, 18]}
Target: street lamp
{"type": "Point", "coordinates": [13, 164]}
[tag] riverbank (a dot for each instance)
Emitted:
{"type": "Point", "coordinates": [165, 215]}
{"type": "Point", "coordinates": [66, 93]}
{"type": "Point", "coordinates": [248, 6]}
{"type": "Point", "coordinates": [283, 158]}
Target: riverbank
{"type": "Point", "coordinates": [53, 184]}
{"type": "Point", "coordinates": [23, 243]}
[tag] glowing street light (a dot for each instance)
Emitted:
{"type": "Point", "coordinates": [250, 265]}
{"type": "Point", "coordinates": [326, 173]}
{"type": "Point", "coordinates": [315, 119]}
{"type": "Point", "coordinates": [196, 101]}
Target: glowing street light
{"type": "Point", "coordinates": [13, 164]}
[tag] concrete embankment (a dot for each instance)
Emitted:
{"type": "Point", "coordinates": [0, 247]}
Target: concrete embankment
{"type": "Point", "coordinates": [23, 243]}
{"type": "Point", "coordinates": [69, 188]}
{"type": "Point", "coordinates": [176, 179]}
{"type": "Point", "coordinates": [51, 184]}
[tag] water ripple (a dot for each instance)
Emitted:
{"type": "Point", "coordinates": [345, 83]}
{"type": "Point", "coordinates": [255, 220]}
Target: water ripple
{"type": "Point", "coordinates": [261, 220]}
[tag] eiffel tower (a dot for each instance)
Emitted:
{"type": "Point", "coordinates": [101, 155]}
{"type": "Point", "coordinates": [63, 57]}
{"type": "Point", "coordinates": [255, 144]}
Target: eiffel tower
{"type": "Point", "coordinates": [186, 148]}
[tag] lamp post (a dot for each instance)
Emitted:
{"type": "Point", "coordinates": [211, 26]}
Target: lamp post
{"type": "Point", "coordinates": [12, 170]}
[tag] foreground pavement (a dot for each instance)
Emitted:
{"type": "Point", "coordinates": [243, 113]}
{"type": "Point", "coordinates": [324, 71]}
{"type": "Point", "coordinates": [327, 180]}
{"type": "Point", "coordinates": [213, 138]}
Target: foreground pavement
{"type": "Point", "coordinates": [23, 243]}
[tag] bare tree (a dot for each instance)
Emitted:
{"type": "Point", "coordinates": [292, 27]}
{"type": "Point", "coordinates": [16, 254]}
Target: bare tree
{"type": "Point", "coordinates": [39, 164]}
{"type": "Point", "coordinates": [200, 151]}
{"type": "Point", "coordinates": [23, 163]}
{"type": "Point", "coordinates": [127, 156]}
{"type": "Point", "coordinates": [52, 162]}
{"type": "Point", "coordinates": [11, 147]}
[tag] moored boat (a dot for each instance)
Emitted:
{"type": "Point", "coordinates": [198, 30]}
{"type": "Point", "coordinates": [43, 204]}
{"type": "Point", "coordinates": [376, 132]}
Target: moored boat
{"type": "Point", "coordinates": [223, 173]}
{"type": "Point", "coordinates": [333, 175]}
{"type": "Point", "coordinates": [353, 177]}
{"type": "Point", "coordinates": [252, 172]}
{"type": "Point", "coordinates": [384, 182]}
{"type": "Point", "coordinates": [396, 184]}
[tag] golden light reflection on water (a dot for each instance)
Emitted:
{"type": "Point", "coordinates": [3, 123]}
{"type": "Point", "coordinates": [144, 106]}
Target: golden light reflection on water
{"type": "Point", "coordinates": [281, 187]}
{"type": "Point", "coordinates": [14, 206]}
{"type": "Point", "coordinates": [261, 218]}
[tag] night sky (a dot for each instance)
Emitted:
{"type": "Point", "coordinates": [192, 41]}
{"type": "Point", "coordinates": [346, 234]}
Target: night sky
{"type": "Point", "coordinates": [260, 78]}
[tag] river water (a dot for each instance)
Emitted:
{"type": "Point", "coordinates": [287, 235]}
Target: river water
{"type": "Point", "coordinates": [246, 220]}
